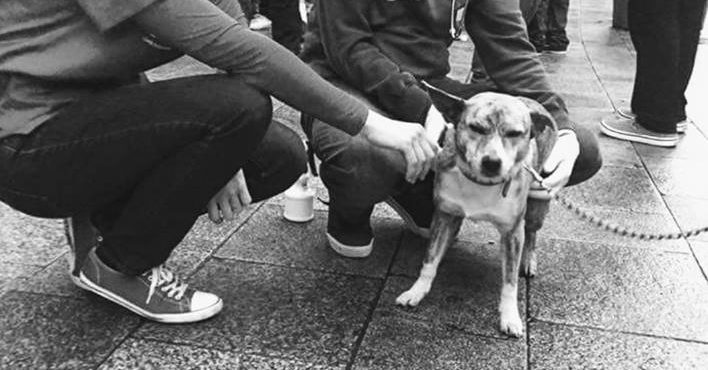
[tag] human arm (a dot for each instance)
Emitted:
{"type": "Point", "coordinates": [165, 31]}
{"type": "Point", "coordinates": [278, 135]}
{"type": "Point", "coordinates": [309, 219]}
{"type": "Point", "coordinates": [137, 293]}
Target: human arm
{"type": "Point", "coordinates": [347, 39]}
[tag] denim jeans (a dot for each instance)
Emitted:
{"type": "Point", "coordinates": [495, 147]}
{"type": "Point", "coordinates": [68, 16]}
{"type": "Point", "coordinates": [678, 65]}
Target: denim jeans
{"type": "Point", "coordinates": [287, 27]}
{"type": "Point", "coordinates": [665, 34]}
{"type": "Point", "coordinates": [549, 22]}
{"type": "Point", "coordinates": [144, 160]}
{"type": "Point", "coordinates": [358, 175]}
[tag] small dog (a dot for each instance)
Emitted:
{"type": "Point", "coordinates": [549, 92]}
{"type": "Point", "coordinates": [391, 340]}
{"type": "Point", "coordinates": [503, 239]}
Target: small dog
{"type": "Point", "coordinates": [480, 174]}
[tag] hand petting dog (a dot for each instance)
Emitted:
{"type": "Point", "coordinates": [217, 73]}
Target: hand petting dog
{"type": "Point", "coordinates": [558, 166]}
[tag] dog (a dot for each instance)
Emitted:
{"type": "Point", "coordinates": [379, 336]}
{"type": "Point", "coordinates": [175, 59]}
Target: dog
{"type": "Point", "coordinates": [481, 174]}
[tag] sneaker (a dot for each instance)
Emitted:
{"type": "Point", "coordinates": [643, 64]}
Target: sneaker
{"type": "Point", "coordinates": [81, 236]}
{"type": "Point", "coordinates": [680, 127]}
{"type": "Point", "coordinates": [353, 239]}
{"type": "Point", "coordinates": [539, 43]}
{"type": "Point", "coordinates": [556, 47]}
{"type": "Point", "coordinates": [628, 129]}
{"type": "Point", "coordinates": [157, 295]}
{"type": "Point", "coordinates": [259, 23]}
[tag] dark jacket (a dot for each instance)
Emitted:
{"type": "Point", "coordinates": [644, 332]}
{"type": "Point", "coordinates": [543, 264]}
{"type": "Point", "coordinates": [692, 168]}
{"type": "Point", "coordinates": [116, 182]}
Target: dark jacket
{"type": "Point", "coordinates": [382, 47]}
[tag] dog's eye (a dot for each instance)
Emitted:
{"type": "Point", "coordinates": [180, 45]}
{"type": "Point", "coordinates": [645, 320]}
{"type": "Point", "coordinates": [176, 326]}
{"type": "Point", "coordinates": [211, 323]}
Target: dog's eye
{"type": "Point", "coordinates": [478, 129]}
{"type": "Point", "coordinates": [514, 134]}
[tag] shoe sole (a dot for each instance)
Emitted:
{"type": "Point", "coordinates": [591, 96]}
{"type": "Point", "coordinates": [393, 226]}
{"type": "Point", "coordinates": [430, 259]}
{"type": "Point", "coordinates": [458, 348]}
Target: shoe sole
{"type": "Point", "coordinates": [665, 143]}
{"type": "Point", "coordinates": [680, 127]}
{"type": "Point", "coordinates": [349, 251]}
{"type": "Point", "coordinates": [180, 318]}
{"type": "Point", "coordinates": [407, 219]}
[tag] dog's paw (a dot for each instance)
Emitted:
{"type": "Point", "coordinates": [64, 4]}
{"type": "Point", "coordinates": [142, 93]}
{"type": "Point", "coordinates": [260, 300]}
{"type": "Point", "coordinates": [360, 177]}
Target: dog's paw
{"type": "Point", "coordinates": [412, 296]}
{"type": "Point", "coordinates": [511, 325]}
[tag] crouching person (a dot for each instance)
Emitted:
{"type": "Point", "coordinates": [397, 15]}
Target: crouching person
{"type": "Point", "coordinates": [380, 50]}
{"type": "Point", "coordinates": [134, 164]}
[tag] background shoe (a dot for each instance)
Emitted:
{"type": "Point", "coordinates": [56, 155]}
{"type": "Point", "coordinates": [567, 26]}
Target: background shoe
{"type": "Point", "coordinates": [259, 23]}
{"type": "Point", "coordinates": [680, 127]}
{"type": "Point", "coordinates": [348, 237]}
{"type": "Point", "coordinates": [81, 236]}
{"type": "Point", "coordinates": [628, 129]}
{"type": "Point", "coordinates": [157, 295]}
{"type": "Point", "coordinates": [556, 48]}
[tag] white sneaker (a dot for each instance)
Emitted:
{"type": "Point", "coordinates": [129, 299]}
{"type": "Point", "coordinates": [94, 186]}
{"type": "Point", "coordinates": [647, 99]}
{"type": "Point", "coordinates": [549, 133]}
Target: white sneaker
{"type": "Point", "coordinates": [259, 23]}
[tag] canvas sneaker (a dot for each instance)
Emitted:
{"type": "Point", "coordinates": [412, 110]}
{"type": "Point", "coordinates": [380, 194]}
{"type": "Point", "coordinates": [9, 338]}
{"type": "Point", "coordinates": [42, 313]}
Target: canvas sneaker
{"type": "Point", "coordinates": [680, 127]}
{"type": "Point", "coordinates": [349, 238]}
{"type": "Point", "coordinates": [628, 129]}
{"type": "Point", "coordinates": [259, 23]}
{"type": "Point", "coordinates": [157, 295]}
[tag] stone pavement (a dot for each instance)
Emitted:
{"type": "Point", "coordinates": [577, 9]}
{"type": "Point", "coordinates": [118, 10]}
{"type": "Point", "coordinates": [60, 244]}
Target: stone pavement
{"type": "Point", "coordinates": [599, 301]}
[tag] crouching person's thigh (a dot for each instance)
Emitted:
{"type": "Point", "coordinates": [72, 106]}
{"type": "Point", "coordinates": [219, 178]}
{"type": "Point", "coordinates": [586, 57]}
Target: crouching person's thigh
{"type": "Point", "coordinates": [277, 162]}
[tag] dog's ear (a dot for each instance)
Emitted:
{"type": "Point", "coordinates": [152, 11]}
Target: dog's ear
{"type": "Point", "coordinates": [449, 105]}
{"type": "Point", "coordinates": [540, 118]}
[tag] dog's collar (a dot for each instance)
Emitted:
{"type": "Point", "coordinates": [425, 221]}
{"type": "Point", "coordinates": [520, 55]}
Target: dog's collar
{"type": "Point", "coordinates": [505, 188]}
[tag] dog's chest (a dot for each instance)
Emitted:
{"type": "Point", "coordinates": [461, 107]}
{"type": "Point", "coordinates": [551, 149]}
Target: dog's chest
{"type": "Point", "coordinates": [458, 195]}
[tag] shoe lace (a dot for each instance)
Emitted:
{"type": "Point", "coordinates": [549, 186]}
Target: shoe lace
{"type": "Point", "coordinates": [167, 281]}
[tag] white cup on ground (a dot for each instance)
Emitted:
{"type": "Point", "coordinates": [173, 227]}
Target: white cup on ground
{"type": "Point", "coordinates": [300, 201]}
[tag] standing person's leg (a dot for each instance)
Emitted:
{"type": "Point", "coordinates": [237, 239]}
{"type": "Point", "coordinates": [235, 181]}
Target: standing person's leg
{"type": "Point", "coordinates": [556, 38]}
{"type": "Point", "coordinates": [161, 151]}
{"type": "Point", "coordinates": [287, 29]}
{"type": "Point", "coordinates": [657, 97]}
{"type": "Point", "coordinates": [691, 13]}
{"type": "Point", "coordinates": [537, 25]}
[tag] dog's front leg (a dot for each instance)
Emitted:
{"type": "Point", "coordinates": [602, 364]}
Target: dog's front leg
{"type": "Point", "coordinates": [444, 231]}
{"type": "Point", "coordinates": [512, 244]}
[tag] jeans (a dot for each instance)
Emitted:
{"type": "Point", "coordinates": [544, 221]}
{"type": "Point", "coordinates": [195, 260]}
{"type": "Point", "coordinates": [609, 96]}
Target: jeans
{"type": "Point", "coordinates": [665, 34]}
{"type": "Point", "coordinates": [358, 174]}
{"type": "Point", "coordinates": [287, 26]}
{"type": "Point", "coordinates": [144, 160]}
{"type": "Point", "coordinates": [549, 22]}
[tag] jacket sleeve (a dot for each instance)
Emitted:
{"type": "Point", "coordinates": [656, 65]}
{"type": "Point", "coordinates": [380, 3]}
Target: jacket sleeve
{"type": "Point", "coordinates": [499, 32]}
{"type": "Point", "coordinates": [346, 37]}
{"type": "Point", "coordinates": [202, 30]}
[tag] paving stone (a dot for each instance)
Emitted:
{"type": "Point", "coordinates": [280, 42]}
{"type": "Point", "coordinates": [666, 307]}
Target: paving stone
{"type": "Point", "coordinates": [52, 280]}
{"type": "Point", "coordinates": [139, 354]}
{"type": "Point", "coordinates": [300, 315]}
{"type": "Point", "coordinates": [29, 240]}
{"type": "Point", "coordinates": [394, 342]}
{"type": "Point", "coordinates": [9, 272]}
{"type": "Point", "coordinates": [700, 250]}
{"type": "Point", "coordinates": [677, 176]}
{"type": "Point", "coordinates": [182, 67]}
{"type": "Point", "coordinates": [618, 188]}
{"type": "Point", "coordinates": [269, 238]}
{"type": "Point", "coordinates": [562, 223]}
{"type": "Point", "coordinates": [690, 213]}
{"type": "Point", "coordinates": [44, 332]}
{"type": "Point", "coordinates": [627, 289]}
{"type": "Point", "coordinates": [557, 346]}
{"type": "Point", "coordinates": [465, 293]}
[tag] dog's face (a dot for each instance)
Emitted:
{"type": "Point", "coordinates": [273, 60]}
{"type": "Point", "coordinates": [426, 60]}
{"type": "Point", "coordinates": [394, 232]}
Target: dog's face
{"type": "Point", "coordinates": [492, 133]}
{"type": "Point", "coordinates": [492, 137]}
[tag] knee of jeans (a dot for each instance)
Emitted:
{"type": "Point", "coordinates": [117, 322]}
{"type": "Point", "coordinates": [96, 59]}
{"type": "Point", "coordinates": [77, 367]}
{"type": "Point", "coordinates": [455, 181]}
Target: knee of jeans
{"type": "Point", "coordinates": [589, 159]}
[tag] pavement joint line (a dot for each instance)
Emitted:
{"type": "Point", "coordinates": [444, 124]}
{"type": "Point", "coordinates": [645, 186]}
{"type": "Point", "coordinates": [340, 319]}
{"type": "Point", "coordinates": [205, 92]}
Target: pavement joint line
{"type": "Point", "coordinates": [122, 341]}
{"type": "Point", "coordinates": [301, 268]}
{"type": "Point", "coordinates": [374, 306]}
{"type": "Point", "coordinates": [626, 332]}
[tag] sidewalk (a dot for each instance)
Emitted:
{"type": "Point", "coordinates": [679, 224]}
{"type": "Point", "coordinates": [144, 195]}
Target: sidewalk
{"type": "Point", "coordinates": [599, 300]}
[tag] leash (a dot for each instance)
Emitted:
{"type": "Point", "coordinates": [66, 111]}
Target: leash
{"type": "Point", "coordinates": [610, 227]}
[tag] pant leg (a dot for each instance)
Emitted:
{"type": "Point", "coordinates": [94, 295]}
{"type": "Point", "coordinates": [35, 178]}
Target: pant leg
{"type": "Point", "coordinates": [287, 29]}
{"type": "Point", "coordinates": [276, 163]}
{"type": "Point", "coordinates": [691, 15]}
{"type": "Point", "coordinates": [557, 21]}
{"type": "Point", "coordinates": [162, 150]}
{"type": "Point", "coordinates": [657, 98]}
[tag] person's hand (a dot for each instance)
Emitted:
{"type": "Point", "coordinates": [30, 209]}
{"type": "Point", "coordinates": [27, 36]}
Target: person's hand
{"type": "Point", "coordinates": [230, 201]}
{"type": "Point", "coordinates": [558, 166]}
{"type": "Point", "coordinates": [434, 124]}
{"type": "Point", "coordinates": [408, 138]}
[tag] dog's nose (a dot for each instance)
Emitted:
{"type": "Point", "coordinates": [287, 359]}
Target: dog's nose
{"type": "Point", "coordinates": [490, 165]}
